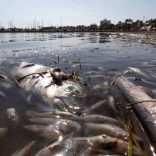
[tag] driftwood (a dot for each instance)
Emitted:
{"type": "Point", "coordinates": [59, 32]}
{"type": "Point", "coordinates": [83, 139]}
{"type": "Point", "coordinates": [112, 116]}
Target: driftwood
{"type": "Point", "coordinates": [142, 105]}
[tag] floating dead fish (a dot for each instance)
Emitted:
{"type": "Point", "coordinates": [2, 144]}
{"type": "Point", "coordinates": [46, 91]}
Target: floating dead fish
{"type": "Point", "coordinates": [137, 71]}
{"type": "Point", "coordinates": [25, 151]}
{"type": "Point", "coordinates": [49, 131]}
{"type": "Point", "coordinates": [49, 84]}
{"type": "Point", "coordinates": [54, 148]}
{"type": "Point", "coordinates": [53, 114]}
{"type": "Point", "coordinates": [64, 125]}
{"type": "Point", "coordinates": [101, 119]}
{"type": "Point", "coordinates": [77, 146]}
{"type": "Point", "coordinates": [108, 129]}
{"type": "Point", "coordinates": [103, 142]}
{"type": "Point", "coordinates": [111, 102]}
{"type": "Point", "coordinates": [93, 107]}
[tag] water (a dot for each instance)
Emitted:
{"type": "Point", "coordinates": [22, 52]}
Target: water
{"type": "Point", "coordinates": [96, 57]}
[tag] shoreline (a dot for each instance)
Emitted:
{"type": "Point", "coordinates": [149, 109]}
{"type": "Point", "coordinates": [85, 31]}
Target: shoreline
{"type": "Point", "coordinates": [148, 35]}
{"type": "Point", "coordinates": [135, 32]}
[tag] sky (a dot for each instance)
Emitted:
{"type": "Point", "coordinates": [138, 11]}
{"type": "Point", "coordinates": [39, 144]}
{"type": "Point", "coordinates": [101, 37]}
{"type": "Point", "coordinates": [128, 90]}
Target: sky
{"type": "Point", "coordinates": [24, 13]}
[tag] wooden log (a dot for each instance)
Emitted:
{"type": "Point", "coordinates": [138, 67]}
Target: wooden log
{"type": "Point", "coordinates": [142, 105]}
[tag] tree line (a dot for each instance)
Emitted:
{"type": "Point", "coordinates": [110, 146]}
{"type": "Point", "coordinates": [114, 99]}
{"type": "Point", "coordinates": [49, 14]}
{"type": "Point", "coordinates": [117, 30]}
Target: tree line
{"type": "Point", "coordinates": [105, 25]}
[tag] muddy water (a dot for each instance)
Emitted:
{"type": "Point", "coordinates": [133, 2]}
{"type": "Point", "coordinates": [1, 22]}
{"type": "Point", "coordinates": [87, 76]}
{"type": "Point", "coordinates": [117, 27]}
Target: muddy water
{"type": "Point", "coordinates": [96, 57]}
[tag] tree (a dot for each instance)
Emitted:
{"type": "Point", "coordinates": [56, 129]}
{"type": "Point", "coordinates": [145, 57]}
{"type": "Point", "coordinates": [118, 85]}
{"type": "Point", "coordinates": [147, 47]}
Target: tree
{"type": "Point", "coordinates": [127, 25]}
{"type": "Point", "coordinates": [106, 25]}
{"type": "Point", "coordinates": [81, 28]}
{"type": "Point", "coordinates": [93, 27]}
{"type": "Point", "coordinates": [119, 26]}
{"type": "Point", "coordinates": [137, 25]}
{"type": "Point", "coordinates": [152, 23]}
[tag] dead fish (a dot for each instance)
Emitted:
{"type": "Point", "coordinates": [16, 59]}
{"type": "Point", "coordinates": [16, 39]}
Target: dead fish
{"type": "Point", "coordinates": [93, 107]}
{"type": "Point", "coordinates": [145, 82]}
{"type": "Point", "coordinates": [36, 85]}
{"type": "Point", "coordinates": [105, 142]}
{"type": "Point", "coordinates": [44, 131]}
{"type": "Point", "coordinates": [76, 146]}
{"type": "Point", "coordinates": [55, 147]}
{"type": "Point", "coordinates": [3, 132]}
{"type": "Point", "coordinates": [111, 102]}
{"type": "Point", "coordinates": [101, 119]}
{"type": "Point", "coordinates": [108, 129]}
{"type": "Point", "coordinates": [34, 116]}
{"type": "Point", "coordinates": [25, 151]}
{"type": "Point", "coordinates": [64, 125]}
{"type": "Point", "coordinates": [68, 126]}
{"type": "Point", "coordinates": [65, 115]}
{"type": "Point", "coordinates": [138, 71]}
{"type": "Point", "coordinates": [53, 114]}
{"type": "Point", "coordinates": [99, 142]}
{"type": "Point", "coordinates": [60, 105]}
{"type": "Point", "coordinates": [12, 116]}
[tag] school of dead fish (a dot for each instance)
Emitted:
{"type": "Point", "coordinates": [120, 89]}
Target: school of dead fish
{"type": "Point", "coordinates": [60, 121]}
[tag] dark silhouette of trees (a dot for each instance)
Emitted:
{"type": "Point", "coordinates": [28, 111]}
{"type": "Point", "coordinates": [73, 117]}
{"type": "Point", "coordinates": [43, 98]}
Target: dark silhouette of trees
{"type": "Point", "coordinates": [152, 23]}
{"type": "Point", "coordinates": [129, 25]}
{"type": "Point", "coordinates": [105, 25]}
{"type": "Point", "coordinates": [119, 26]}
{"type": "Point", "coordinates": [81, 28]}
{"type": "Point", "coordinates": [93, 27]}
{"type": "Point", "coordinates": [137, 25]}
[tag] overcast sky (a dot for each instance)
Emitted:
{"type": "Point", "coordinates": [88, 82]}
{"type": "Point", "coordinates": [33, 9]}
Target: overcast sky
{"type": "Point", "coordinates": [73, 12]}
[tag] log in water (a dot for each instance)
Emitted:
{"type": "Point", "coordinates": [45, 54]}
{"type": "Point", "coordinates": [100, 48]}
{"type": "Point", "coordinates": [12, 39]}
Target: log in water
{"type": "Point", "coordinates": [142, 104]}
